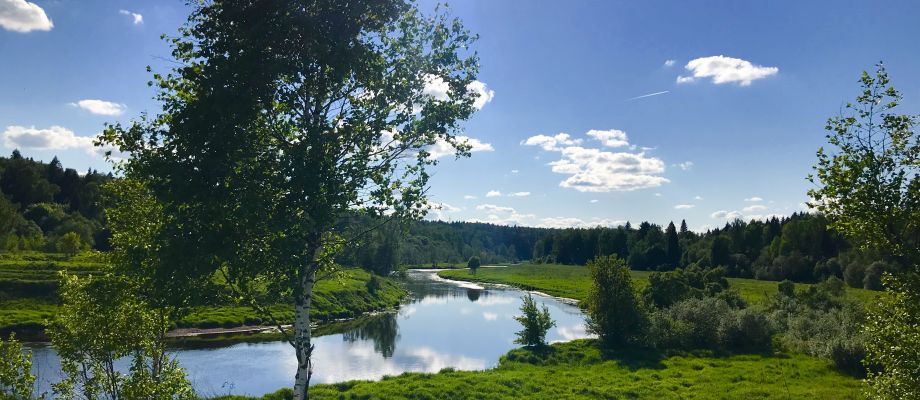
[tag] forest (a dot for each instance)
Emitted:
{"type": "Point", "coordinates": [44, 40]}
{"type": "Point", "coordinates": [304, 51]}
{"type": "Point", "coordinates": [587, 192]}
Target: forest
{"type": "Point", "coordinates": [800, 248]}
{"type": "Point", "coordinates": [42, 203]}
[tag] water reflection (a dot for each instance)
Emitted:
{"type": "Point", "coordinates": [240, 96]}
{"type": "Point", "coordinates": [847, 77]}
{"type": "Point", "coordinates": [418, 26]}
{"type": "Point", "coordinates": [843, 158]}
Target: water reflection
{"type": "Point", "coordinates": [466, 327]}
{"type": "Point", "coordinates": [382, 330]}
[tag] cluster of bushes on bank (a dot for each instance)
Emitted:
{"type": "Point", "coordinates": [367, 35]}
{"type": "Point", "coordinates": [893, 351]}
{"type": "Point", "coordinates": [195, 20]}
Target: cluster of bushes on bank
{"type": "Point", "coordinates": [695, 309]}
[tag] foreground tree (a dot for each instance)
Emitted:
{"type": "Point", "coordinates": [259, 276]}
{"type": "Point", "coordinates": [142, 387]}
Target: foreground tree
{"type": "Point", "coordinates": [281, 118]}
{"type": "Point", "coordinates": [102, 319]}
{"type": "Point", "coordinates": [613, 307]}
{"type": "Point", "coordinates": [535, 321]}
{"type": "Point", "coordinates": [16, 379]}
{"type": "Point", "coordinates": [869, 187]}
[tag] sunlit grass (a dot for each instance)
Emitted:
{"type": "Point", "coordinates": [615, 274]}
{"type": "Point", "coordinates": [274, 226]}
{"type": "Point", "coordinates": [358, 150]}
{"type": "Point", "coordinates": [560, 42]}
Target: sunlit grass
{"type": "Point", "coordinates": [579, 370]}
{"type": "Point", "coordinates": [572, 281]}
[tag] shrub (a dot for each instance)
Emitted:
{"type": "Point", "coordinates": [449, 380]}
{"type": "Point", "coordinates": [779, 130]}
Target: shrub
{"type": "Point", "coordinates": [786, 288]}
{"type": "Point", "coordinates": [373, 284]}
{"type": "Point", "coordinates": [16, 379]}
{"type": "Point", "coordinates": [667, 288]}
{"type": "Point", "coordinates": [709, 323]}
{"type": "Point", "coordinates": [613, 308]}
{"type": "Point", "coordinates": [848, 354]}
{"type": "Point", "coordinates": [745, 329]}
{"type": "Point", "coordinates": [473, 264]}
{"type": "Point", "coordinates": [535, 321]}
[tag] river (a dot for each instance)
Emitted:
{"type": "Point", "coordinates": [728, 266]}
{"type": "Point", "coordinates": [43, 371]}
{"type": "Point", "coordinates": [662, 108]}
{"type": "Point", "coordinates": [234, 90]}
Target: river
{"type": "Point", "coordinates": [444, 324]}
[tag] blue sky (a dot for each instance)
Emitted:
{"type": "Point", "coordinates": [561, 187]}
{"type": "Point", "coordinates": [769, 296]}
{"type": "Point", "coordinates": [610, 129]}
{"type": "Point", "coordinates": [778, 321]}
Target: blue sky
{"type": "Point", "coordinates": [759, 81]}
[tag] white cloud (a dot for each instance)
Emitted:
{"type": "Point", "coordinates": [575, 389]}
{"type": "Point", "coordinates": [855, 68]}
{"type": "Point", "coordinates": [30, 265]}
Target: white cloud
{"type": "Point", "coordinates": [489, 316]}
{"type": "Point", "coordinates": [755, 207]}
{"type": "Point", "coordinates": [684, 206]}
{"type": "Point", "coordinates": [571, 222]}
{"type": "Point", "coordinates": [438, 89]}
{"type": "Point", "coordinates": [519, 194]}
{"type": "Point", "coordinates": [494, 208]}
{"type": "Point", "coordinates": [724, 69]}
{"type": "Point", "coordinates": [514, 171]}
{"type": "Point", "coordinates": [698, 198]}
{"type": "Point", "coordinates": [100, 107]}
{"type": "Point", "coordinates": [484, 94]}
{"type": "Point", "coordinates": [669, 63]}
{"type": "Point", "coordinates": [551, 143]}
{"type": "Point", "coordinates": [594, 170]}
{"type": "Point", "coordinates": [442, 211]}
{"type": "Point", "coordinates": [500, 215]}
{"type": "Point", "coordinates": [657, 194]}
{"type": "Point", "coordinates": [53, 138]}
{"type": "Point", "coordinates": [686, 165]}
{"type": "Point", "coordinates": [610, 138]}
{"type": "Point", "coordinates": [493, 193]}
{"type": "Point", "coordinates": [22, 16]}
{"type": "Point", "coordinates": [726, 214]}
{"type": "Point", "coordinates": [754, 199]}
{"type": "Point", "coordinates": [593, 201]}
{"type": "Point", "coordinates": [469, 197]}
{"type": "Point", "coordinates": [442, 149]}
{"type": "Point", "coordinates": [138, 19]}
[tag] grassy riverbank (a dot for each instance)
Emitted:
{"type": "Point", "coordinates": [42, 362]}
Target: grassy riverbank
{"type": "Point", "coordinates": [29, 283]}
{"type": "Point", "coordinates": [578, 370]}
{"type": "Point", "coordinates": [572, 281]}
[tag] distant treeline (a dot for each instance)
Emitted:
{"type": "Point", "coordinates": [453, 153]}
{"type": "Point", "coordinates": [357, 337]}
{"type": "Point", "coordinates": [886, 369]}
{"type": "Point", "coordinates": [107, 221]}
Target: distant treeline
{"type": "Point", "coordinates": [800, 248]}
{"type": "Point", "coordinates": [435, 242]}
{"type": "Point", "coordinates": [41, 203]}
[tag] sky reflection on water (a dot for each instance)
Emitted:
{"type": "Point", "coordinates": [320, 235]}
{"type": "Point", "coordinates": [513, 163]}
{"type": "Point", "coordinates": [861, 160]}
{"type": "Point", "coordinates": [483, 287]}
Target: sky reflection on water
{"type": "Point", "coordinates": [466, 327]}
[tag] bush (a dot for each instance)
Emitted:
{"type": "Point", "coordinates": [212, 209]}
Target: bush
{"type": "Point", "coordinates": [613, 308]}
{"type": "Point", "coordinates": [16, 379]}
{"type": "Point", "coordinates": [848, 354]}
{"type": "Point", "coordinates": [373, 284]}
{"type": "Point", "coordinates": [667, 288]}
{"type": "Point", "coordinates": [473, 264]}
{"type": "Point", "coordinates": [535, 321]}
{"type": "Point", "coordinates": [745, 329]}
{"type": "Point", "coordinates": [786, 288]}
{"type": "Point", "coordinates": [709, 323]}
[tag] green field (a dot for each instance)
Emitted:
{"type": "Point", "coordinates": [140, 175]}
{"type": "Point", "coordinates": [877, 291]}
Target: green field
{"type": "Point", "coordinates": [578, 370]}
{"type": "Point", "coordinates": [572, 281]}
{"type": "Point", "coordinates": [29, 281]}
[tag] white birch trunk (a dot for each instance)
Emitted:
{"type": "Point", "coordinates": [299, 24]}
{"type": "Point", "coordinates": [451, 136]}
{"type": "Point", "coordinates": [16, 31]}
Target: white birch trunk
{"type": "Point", "coordinates": [302, 336]}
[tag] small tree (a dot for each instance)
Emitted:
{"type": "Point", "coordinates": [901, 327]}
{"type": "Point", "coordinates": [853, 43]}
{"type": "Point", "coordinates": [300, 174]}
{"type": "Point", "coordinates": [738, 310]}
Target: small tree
{"type": "Point", "coordinates": [473, 264]}
{"type": "Point", "coordinates": [103, 319]}
{"type": "Point", "coordinates": [868, 184]}
{"type": "Point", "coordinates": [16, 378]}
{"type": "Point", "coordinates": [70, 244]}
{"type": "Point", "coordinates": [535, 321]}
{"type": "Point", "coordinates": [613, 307]}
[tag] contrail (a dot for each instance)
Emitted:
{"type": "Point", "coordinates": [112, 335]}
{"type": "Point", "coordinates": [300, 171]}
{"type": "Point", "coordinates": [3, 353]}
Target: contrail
{"type": "Point", "coordinates": [648, 95]}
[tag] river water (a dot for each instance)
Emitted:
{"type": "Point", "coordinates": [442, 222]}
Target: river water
{"type": "Point", "coordinates": [444, 324]}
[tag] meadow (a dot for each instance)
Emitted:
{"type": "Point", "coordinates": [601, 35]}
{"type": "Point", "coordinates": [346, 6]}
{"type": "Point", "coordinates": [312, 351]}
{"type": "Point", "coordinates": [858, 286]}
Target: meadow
{"type": "Point", "coordinates": [573, 281]}
{"type": "Point", "coordinates": [29, 283]}
{"type": "Point", "coordinates": [579, 370]}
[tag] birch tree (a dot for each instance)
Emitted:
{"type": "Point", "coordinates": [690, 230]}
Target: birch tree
{"type": "Point", "coordinates": [279, 118]}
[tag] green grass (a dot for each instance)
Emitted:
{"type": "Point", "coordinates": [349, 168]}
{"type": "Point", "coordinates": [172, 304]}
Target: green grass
{"type": "Point", "coordinates": [29, 283]}
{"type": "Point", "coordinates": [578, 370]}
{"type": "Point", "coordinates": [572, 281]}
{"type": "Point", "coordinates": [344, 297]}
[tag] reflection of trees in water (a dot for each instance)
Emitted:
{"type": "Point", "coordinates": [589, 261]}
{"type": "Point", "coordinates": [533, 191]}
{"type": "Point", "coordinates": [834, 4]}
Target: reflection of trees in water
{"type": "Point", "coordinates": [382, 329]}
{"type": "Point", "coordinates": [473, 294]}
